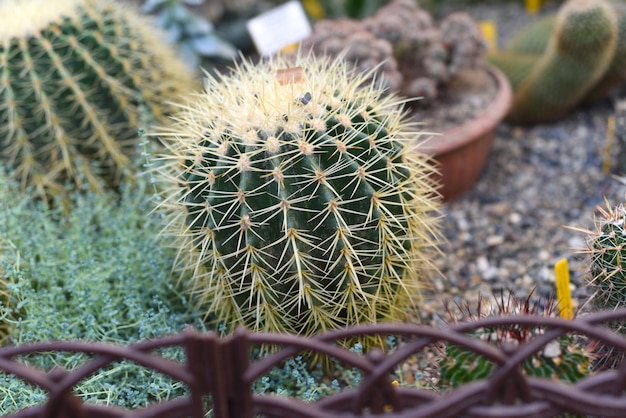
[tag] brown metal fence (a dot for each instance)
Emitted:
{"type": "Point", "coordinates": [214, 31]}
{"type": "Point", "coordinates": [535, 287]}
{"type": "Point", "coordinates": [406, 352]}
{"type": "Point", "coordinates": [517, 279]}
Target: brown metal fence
{"type": "Point", "coordinates": [220, 370]}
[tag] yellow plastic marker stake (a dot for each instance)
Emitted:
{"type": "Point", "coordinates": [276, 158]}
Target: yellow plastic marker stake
{"type": "Point", "coordinates": [610, 134]}
{"type": "Point", "coordinates": [314, 9]}
{"type": "Point", "coordinates": [289, 49]}
{"type": "Point", "coordinates": [533, 6]}
{"type": "Point", "coordinates": [563, 293]}
{"type": "Point", "coordinates": [490, 33]}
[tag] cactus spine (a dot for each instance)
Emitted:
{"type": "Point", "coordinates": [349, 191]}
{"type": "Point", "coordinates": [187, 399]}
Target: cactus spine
{"type": "Point", "coordinates": [576, 57]}
{"type": "Point", "coordinates": [75, 78]}
{"type": "Point", "coordinates": [299, 206]}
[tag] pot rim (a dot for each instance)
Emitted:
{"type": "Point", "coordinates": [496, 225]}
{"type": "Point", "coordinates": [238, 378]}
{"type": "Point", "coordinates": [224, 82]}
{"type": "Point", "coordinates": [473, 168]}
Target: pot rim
{"type": "Point", "coordinates": [468, 131]}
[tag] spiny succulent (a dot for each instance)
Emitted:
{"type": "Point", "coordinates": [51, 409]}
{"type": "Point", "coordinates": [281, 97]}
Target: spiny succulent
{"type": "Point", "coordinates": [76, 78]}
{"type": "Point", "coordinates": [606, 247]}
{"type": "Point", "coordinates": [577, 56]}
{"type": "Point", "coordinates": [562, 60]}
{"type": "Point", "coordinates": [296, 199]}
{"type": "Point", "coordinates": [413, 54]}
{"type": "Point", "coordinates": [568, 358]}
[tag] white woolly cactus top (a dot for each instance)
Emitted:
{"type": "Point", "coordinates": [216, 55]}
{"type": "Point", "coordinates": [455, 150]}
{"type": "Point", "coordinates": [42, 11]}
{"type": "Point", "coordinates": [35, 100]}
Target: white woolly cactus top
{"type": "Point", "coordinates": [23, 18]}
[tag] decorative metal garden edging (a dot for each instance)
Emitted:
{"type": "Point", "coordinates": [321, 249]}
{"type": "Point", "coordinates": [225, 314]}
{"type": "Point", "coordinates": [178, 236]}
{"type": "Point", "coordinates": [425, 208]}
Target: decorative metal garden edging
{"type": "Point", "coordinates": [220, 368]}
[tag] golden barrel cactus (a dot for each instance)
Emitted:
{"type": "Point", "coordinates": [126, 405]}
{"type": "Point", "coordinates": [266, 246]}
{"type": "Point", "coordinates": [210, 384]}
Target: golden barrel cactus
{"type": "Point", "coordinates": [297, 200]}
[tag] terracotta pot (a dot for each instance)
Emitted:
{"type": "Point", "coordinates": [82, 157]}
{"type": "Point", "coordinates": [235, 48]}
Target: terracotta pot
{"type": "Point", "coordinates": [462, 152]}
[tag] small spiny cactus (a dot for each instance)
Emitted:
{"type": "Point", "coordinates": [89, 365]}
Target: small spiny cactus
{"type": "Point", "coordinates": [567, 358]}
{"type": "Point", "coordinates": [607, 247]}
{"type": "Point", "coordinates": [299, 204]}
{"type": "Point", "coordinates": [76, 78]}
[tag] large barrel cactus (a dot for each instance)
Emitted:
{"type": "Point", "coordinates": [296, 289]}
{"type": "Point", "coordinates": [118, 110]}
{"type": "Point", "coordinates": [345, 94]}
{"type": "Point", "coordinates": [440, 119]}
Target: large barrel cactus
{"type": "Point", "coordinates": [76, 77]}
{"type": "Point", "coordinates": [297, 200]}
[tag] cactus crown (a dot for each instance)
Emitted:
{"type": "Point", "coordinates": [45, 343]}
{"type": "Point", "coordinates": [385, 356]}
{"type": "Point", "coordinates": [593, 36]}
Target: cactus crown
{"type": "Point", "coordinates": [297, 203]}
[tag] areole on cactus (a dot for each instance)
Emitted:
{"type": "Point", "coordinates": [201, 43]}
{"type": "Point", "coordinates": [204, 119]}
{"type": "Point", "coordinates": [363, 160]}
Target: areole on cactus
{"type": "Point", "coordinates": [299, 203]}
{"type": "Point", "coordinates": [76, 78]}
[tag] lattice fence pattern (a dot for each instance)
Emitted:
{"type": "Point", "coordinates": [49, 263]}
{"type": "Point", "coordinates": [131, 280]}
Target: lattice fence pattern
{"type": "Point", "coordinates": [219, 374]}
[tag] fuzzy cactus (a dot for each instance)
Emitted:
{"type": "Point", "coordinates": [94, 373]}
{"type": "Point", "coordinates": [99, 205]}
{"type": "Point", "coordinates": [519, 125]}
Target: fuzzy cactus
{"type": "Point", "coordinates": [413, 55]}
{"type": "Point", "coordinates": [296, 199]}
{"type": "Point", "coordinates": [534, 38]}
{"type": "Point", "coordinates": [568, 358]}
{"type": "Point", "coordinates": [562, 60]}
{"type": "Point", "coordinates": [76, 78]}
{"type": "Point", "coordinates": [577, 56]}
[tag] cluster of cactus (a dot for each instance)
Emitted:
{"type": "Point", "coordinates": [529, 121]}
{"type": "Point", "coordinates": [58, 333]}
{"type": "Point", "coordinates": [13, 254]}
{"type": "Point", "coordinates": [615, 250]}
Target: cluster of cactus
{"type": "Point", "coordinates": [567, 358]}
{"type": "Point", "coordinates": [563, 60]}
{"type": "Point", "coordinates": [296, 198]}
{"type": "Point", "coordinates": [413, 55]}
{"type": "Point", "coordinates": [77, 79]}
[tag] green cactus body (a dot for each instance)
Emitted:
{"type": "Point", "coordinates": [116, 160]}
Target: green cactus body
{"type": "Point", "coordinates": [608, 258]}
{"type": "Point", "coordinates": [76, 77]}
{"type": "Point", "coordinates": [515, 66]}
{"type": "Point", "coordinates": [577, 56]}
{"type": "Point", "coordinates": [616, 72]}
{"type": "Point", "coordinates": [299, 206]}
{"type": "Point", "coordinates": [567, 358]}
{"type": "Point", "coordinates": [534, 38]}
{"type": "Point", "coordinates": [572, 363]}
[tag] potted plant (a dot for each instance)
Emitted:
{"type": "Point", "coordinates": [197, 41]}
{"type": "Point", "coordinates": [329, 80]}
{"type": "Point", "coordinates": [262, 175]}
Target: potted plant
{"type": "Point", "coordinates": [461, 97]}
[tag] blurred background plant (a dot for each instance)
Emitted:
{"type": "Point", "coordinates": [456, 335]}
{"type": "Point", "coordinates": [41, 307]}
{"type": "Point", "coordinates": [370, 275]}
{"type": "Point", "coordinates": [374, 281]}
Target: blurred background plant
{"type": "Point", "coordinates": [566, 59]}
{"type": "Point", "coordinates": [415, 56]}
{"type": "Point", "coordinates": [355, 9]}
{"type": "Point", "coordinates": [77, 79]}
{"type": "Point", "coordinates": [620, 137]}
{"type": "Point", "coordinates": [193, 32]}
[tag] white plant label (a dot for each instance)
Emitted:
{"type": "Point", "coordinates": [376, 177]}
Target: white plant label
{"type": "Point", "coordinates": [280, 27]}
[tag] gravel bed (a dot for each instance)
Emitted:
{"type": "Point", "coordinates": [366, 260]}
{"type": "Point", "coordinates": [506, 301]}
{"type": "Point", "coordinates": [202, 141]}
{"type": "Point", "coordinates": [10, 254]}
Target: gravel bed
{"type": "Point", "coordinates": [511, 229]}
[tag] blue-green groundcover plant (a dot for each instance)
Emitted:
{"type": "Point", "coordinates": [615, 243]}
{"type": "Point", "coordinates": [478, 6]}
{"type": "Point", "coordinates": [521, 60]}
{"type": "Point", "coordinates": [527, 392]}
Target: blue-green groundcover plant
{"type": "Point", "coordinates": [93, 268]}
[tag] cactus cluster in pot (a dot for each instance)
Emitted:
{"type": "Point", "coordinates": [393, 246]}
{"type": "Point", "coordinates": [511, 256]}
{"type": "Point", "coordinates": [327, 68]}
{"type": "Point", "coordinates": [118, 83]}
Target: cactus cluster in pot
{"type": "Point", "coordinates": [76, 79]}
{"type": "Point", "coordinates": [415, 56]}
{"type": "Point", "coordinates": [296, 200]}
